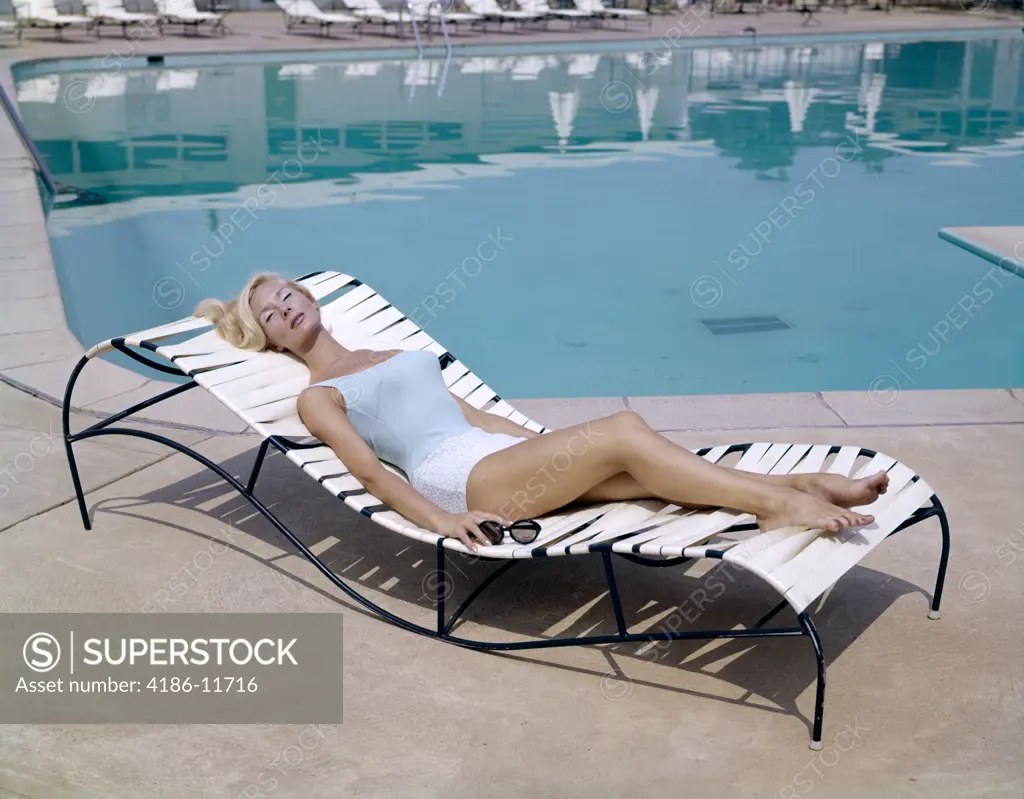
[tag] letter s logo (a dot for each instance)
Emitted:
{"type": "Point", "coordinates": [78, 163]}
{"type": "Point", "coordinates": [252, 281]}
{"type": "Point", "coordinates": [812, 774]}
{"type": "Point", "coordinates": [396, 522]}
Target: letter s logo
{"type": "Point", "coordinates": [41, 652]}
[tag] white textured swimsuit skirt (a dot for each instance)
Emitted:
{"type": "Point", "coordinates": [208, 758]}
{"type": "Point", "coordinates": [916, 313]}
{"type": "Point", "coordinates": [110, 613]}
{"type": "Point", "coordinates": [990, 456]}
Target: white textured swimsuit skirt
{"type": "Point", "coordinates": [443, 475]}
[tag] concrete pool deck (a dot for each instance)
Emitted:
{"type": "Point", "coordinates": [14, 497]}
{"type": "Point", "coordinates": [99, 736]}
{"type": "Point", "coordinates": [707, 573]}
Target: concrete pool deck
{"type": "Point", "coordinates": [915, 708]}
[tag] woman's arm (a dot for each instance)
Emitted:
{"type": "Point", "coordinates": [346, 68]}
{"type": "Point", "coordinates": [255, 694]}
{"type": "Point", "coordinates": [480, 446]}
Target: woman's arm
{"type": "Point", "coordinates": [493, 423]}
{"type": "Point", "coordinates": [326, 419]}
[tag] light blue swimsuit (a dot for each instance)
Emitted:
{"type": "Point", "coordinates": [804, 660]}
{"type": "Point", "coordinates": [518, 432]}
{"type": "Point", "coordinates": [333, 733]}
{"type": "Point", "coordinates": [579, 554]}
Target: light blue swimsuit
{"type": "Point", "coordinates": [403, 410]}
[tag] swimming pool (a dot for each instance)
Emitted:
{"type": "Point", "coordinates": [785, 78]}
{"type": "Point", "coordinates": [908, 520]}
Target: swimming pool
{"type": "Point", "coordinates": [656, 220]}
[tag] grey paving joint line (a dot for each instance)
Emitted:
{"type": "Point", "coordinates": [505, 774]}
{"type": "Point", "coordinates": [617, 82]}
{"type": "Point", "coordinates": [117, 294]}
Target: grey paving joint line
{"type": "Point", "coordinates": [19, 386]}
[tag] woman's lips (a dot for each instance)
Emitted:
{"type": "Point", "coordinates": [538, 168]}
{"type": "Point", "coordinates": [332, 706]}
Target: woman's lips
{"type": "Point", "coordinates": [296, 319]}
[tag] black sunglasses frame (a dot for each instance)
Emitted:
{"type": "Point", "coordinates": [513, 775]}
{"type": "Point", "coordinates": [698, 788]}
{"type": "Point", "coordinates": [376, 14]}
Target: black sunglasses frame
{"type": "Point", "coordinates": [495, 531]}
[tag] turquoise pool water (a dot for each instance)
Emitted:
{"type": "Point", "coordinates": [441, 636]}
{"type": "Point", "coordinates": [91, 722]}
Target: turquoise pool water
{"type": "Point", "coordinates": [649, 221]}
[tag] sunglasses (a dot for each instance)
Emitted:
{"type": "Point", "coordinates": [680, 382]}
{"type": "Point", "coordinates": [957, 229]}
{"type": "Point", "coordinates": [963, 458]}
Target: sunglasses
{"type": "Point", "coordinates": [524, 531]}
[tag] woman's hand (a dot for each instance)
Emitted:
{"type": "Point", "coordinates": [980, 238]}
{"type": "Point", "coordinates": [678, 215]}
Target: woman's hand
{"type": "Point", "coordinates": [466, 527]}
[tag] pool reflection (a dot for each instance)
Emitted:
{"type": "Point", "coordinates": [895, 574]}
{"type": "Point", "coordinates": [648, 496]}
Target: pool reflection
{"type": "Point", "coordinates": [206, 131]}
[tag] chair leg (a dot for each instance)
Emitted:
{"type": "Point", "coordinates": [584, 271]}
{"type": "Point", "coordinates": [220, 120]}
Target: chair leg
{"type": "Point", "coordinates": [819, 700]}
{"type": "Point", "coordinates": [613, 589]}
{"type": "Point", "coordinates": [79, 495]}
{"type": "Point", "coordinates": [441, 582]}
{"type": "Point", "coordinates": [940, 579]}
{"type": "Point", "coordinates": [250, 486]}
{"type": "Point", "coordinates": [66, 429]}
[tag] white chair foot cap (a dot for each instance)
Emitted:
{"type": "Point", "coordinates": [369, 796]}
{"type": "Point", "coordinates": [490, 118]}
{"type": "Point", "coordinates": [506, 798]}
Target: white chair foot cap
{"type": "Point", "coordinates": [934, 614]}
{"type": "Point", "coordinates": [815, 745]}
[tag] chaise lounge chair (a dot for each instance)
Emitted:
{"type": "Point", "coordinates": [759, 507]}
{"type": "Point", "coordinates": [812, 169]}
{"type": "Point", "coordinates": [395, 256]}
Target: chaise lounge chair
{"type": "Point", "coordinates": [113, 12]}
{"type": "Point", "coordinates": [373, 11]}
{"type": "Point", "coordinates": [598, 8]}
{"type": "Point", "coordinates": [305, 12]}
{"type": "Point", "coordinates": [261, 389]}
{"type": "Point", "coordinates": [542, 8]}
{"type": "Point", "coordinates": [185, 13]}
{"type": "Point", "coordinates": [432, 11]}
{"type": "Point", "coordinates": [44, 14]}
{"type": "Point", "coordinates": [11, 28]}
{"type": "Point", "coordinates": [490, 11]}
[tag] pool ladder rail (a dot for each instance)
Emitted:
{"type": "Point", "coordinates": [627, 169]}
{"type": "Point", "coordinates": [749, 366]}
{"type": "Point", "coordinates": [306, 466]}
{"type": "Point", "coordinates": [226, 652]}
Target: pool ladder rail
{"type": "Point", "coordinates": [30, 147]}
{"type": "Point", "coordinates": [55, 192]}
{"type": "Point", "coordinates": [419, 43]}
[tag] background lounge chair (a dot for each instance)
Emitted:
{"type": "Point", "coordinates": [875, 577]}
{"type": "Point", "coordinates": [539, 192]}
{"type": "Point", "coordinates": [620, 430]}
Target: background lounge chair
{"type": "Point", "coordinates": [262, 388]}
{"type": "Point", "coordinates": [608, 12]}
{"type": "Point", "coordinates": [373, 11]}
{"type": "Point", "coordinates": [185, 13]}
{"type": "Point", "coordinates": [490, 11]}
{"type": "Point", "coordinates": [305, 12]}
{"type": "Point", "coordinates": [113, 12]}
{"type": "Point", "coordinates": [44, 14]}
{"type": "Point", "coordinates": [432, 11]}
{"type": "Point", "coordinates": [542, 8]}
{"type": "Point", "coordinates": [11, 28]}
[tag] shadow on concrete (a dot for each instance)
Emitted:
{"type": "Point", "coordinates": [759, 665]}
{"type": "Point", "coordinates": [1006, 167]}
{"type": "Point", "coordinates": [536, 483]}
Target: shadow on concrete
{"type": "Point", "coordinates": [546, 597]}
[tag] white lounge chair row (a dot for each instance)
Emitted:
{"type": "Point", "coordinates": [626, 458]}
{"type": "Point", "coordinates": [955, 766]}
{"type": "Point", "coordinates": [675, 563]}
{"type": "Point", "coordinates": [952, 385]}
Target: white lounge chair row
{"type": "Point", "coordinates": [45, 14]}
{"type": "Point", "coordinates": [306, 14]}
{"type": "Point", "coordinates": [303, 14]}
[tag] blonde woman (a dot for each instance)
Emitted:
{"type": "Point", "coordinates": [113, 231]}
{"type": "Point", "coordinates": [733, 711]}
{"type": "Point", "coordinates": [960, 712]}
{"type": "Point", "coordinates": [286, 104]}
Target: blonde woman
{"type": "Point", "coordinates": [469, 468]}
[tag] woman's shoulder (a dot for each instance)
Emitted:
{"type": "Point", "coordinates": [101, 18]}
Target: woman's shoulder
{"type": "Point", "coordinates": [325, 389]}
{"type": "Point", "coordinates": [314, 390]}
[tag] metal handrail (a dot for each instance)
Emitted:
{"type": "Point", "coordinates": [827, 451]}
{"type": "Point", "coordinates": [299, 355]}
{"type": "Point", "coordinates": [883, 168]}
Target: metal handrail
{"type": "Point", "coordinates": [19, 126]}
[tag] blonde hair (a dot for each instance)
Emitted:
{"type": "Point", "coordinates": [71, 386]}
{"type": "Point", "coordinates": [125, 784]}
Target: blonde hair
{"type": "Point", "coordinates": [235, 320]}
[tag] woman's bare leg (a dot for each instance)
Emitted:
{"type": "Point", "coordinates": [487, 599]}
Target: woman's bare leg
{"type": "Point", "coordinates": [845, 492]}
{"type": "Point", "coordinates": [839, 490]}
{"type": "Point", "coordinates": [547, 472]}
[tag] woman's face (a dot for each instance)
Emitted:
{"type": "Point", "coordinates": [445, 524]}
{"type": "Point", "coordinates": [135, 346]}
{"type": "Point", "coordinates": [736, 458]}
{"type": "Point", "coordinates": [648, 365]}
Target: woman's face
{"type": "Point", "coordinates": [287, 316]}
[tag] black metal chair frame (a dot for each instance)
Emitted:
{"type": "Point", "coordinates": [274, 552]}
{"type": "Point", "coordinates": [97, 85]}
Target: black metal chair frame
{"type": "Point", "coordinates": [444, 626]}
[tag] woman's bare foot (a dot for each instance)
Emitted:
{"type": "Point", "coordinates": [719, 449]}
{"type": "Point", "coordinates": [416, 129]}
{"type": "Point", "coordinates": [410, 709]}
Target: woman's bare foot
{"type": "Point", "coordinates": [842, 491]}
{"type": "Point", "coordinates": [800, 509]}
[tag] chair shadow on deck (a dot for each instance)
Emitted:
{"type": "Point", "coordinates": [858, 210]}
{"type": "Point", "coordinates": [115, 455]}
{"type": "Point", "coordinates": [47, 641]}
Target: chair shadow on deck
{"type": "Point", "coordinates": [563, 596]}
